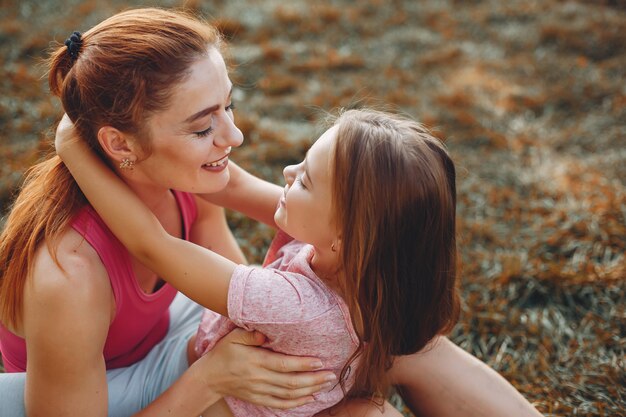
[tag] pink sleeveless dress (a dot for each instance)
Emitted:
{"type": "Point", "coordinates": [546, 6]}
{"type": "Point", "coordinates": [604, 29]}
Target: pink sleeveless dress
{"type": "Point", "coordinates": [141, 320]}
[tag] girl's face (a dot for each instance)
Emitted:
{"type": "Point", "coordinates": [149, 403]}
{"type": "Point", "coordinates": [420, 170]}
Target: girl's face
{"type": "Point", "coordinates": [191, 140]}
{"type": "Point", "coordinates": [305, 211]}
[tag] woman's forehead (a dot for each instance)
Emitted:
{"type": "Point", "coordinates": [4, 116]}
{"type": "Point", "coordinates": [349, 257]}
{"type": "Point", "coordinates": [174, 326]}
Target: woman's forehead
{"type": "Point", "coordinates": [206, 85]}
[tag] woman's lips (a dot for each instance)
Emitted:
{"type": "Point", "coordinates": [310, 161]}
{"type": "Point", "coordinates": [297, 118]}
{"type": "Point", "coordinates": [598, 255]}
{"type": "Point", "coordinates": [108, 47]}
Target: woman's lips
{"type": "Point", "coordinates": [218, 165]}
{"type": "Point", "coordinates": [216, 168]}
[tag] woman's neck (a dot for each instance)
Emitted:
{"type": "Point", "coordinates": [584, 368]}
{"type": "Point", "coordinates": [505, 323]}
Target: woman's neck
{"type": "Point", "coordinates": [153, 196]}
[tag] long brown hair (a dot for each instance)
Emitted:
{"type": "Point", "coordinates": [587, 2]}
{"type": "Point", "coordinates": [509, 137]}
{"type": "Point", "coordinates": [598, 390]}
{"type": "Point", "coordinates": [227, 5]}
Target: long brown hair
{"type": "Point", "coordinates": [394, 198]}
{"type": "Point", "coordinates": [125, 71]}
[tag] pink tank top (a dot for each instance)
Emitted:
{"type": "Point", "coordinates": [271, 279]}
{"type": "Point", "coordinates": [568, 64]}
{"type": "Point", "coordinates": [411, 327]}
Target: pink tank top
{"type": "Point", "coordinates": [141, 320]}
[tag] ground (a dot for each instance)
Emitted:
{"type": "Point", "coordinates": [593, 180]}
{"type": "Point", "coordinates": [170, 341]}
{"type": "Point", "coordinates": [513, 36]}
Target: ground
{"type": "Point", "coordinates": [530, 98]}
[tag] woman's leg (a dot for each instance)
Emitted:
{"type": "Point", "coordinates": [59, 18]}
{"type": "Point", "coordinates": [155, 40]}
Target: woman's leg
{"type": "Point", "coordinates": [12, 395]}
{"type": "Point", "coordinates": [124, 397]}
{"type": "Point", "coordinates": [134, 387]}
{"type": "Point", "coordinates": [445, 380]}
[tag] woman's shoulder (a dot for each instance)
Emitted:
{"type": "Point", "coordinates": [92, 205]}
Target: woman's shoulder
{"type": "Point", "coordinates": [74, 274]}
{"type": "Point", "coordinates": [67, 308]}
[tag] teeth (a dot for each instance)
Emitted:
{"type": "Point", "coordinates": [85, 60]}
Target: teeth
{"type": "Point", "coordinates": [221, 161]}
{"type": "Point", "coordinates": [218, 163]}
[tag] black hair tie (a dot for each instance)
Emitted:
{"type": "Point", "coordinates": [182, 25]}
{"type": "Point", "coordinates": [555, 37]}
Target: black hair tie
{"type": "Point", "coordinates": [73, 44]}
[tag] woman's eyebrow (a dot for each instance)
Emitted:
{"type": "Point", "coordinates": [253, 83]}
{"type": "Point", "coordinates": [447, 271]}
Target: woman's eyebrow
{"type": "Point", "coordinates": [206, 111]}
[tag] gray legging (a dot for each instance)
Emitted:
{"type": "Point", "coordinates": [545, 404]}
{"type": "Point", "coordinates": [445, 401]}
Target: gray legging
{"type": "Point", "coordinates": [134, 387]}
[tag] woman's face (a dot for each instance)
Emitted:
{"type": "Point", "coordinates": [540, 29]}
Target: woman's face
{"type": "Point", "coordinates": [191, 140]}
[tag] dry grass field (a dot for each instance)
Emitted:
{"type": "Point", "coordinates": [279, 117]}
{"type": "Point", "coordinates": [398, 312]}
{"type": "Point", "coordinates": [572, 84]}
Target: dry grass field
{"type": "Point", "coordinates": [530, 98]}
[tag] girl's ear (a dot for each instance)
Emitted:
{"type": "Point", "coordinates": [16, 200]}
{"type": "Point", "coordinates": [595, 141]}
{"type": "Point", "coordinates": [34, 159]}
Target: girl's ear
{"type": "Point", "coordinates": [336, 245]}
{"type": "Point", "coordinates": [117, 145]}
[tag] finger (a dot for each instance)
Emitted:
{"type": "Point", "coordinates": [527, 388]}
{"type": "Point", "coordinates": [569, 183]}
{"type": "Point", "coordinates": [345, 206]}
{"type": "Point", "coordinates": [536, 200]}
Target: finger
{"type": "Point", "coordinates": [243, 337]}
{"type": "Point", "coordinates": [279, 362]}
{"type": "Point", "coordinates": [302, 380]}
{"type": "Point", "coordinates": [65, 122]}
{"type": "Point", "coordinates": [296, 393]}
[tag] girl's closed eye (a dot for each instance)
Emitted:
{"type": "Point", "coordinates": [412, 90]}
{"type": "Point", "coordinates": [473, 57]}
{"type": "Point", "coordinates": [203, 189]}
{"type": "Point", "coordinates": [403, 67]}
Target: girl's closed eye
{"type": "Point", "coordinates": [300, 181]}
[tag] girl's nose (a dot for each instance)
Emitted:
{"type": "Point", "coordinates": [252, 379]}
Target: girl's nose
{"type": "Point", "coordinates": [289, 173]}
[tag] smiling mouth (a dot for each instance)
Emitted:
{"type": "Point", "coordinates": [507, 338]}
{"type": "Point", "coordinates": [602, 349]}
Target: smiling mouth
{"type": "Point", "coordinates": [219, 162]}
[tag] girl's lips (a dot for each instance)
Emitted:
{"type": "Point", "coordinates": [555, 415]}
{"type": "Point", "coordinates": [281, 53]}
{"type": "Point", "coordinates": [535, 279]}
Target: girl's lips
{"type": "Point", "coordinates": [282, 202]}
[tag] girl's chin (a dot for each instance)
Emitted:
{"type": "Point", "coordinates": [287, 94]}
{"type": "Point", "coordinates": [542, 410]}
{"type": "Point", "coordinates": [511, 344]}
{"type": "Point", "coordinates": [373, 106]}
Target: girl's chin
{"type": "Point", "coordinates": [278, 217]}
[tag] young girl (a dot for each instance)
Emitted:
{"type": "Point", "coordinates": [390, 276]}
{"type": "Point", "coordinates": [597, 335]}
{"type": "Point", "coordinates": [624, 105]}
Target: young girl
{"type": "Point", "coordinates": [361, 270]}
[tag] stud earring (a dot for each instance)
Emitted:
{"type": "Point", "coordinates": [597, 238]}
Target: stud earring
{"type": "Point", "coordinates": [127, 163]}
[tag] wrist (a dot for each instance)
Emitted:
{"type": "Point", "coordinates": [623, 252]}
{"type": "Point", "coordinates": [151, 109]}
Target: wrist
{"type": "Point", "coordinates": [205, 374]}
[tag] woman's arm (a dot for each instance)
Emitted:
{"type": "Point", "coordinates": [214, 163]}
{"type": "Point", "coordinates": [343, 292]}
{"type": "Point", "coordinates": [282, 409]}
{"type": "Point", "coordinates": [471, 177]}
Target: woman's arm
{"type": "Point", "coordinates": [445, 380]}
{"type": "Point", "coordinates": [234, 367]}
{"type": "Point", "coordinates": [67, 312]}
{"type": "Point", "coordinates": [185, 265]}
{"type": "Point", "coordinates": [210, 230]}
{"type": "Point", "coordinates": [249, 195]}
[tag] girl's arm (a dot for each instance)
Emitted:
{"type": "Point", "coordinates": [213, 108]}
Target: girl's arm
{"type": "Point", "coordinates": [200, 274]}
{"type": "Point", "coordinates": [249, 195]}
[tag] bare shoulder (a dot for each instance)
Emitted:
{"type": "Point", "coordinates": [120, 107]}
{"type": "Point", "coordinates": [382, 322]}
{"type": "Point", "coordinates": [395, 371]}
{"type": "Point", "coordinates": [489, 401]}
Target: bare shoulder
{"type": "Point", "coordinates": [79, 281]}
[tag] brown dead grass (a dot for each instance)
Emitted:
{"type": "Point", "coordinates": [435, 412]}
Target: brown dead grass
{"type": "Point", "coordinates": [529, 97]}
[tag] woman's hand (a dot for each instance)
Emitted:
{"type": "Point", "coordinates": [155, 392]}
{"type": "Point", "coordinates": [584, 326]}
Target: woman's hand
{"type": "Point", "coordinates": [237, 367]}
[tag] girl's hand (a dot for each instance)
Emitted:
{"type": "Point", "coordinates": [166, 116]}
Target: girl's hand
{"type": "Point", "coordinates": [65, 134]}
{"type": "Point", "coordinates": [237, 367]}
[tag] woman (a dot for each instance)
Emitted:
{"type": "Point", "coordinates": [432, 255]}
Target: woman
{"type": "Point", "coordinates": [72, 301]}
{"type": "Point", "coordinates": [129, 87]}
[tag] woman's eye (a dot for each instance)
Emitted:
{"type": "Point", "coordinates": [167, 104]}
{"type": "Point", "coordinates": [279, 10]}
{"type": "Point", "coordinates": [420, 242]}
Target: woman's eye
{"type": "Point", "coordinates": [231, 106]}
{"type": "Point", "coordinates": [204, 133]}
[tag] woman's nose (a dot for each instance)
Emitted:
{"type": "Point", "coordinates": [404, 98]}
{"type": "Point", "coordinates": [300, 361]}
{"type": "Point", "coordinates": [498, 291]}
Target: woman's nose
{"type": "Point", "coordinates": [228, 133]}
